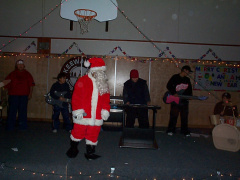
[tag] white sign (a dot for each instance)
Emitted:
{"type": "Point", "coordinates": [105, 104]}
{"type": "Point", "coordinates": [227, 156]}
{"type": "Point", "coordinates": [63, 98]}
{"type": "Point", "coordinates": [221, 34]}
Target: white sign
{"type": "Point", "coordinates": [73, 68]}
{"type": "Point", "coordinates": [217, 78]}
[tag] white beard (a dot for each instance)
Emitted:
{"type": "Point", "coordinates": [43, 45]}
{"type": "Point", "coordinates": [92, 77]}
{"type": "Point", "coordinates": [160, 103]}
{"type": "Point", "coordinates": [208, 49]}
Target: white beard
{"type": "Point", "coordinates": [101, 81]}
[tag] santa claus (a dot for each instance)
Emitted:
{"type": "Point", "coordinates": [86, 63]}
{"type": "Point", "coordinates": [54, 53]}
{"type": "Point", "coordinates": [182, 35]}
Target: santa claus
{"type": "Point", "coordinates": [90, 105]}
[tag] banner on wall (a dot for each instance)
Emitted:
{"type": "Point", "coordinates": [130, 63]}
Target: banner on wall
{"type": "Point", "coordinates": [217, 78]}
{"type": "Point", "coordinates": [73, 68]}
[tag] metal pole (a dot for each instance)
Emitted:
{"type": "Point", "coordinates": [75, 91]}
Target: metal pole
{"type": "Point", "coordinates": [81, 66]}
{"type": "Point", "coordinates": [115, 78]}
{"type": "Point", "coordinates": [47, 87]}
{"type": "Point", "coordinates": [149, 78]}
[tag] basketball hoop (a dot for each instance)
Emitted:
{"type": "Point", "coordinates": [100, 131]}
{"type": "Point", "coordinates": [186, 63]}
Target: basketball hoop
{"type": "Point", "coordinates": [84, 17]}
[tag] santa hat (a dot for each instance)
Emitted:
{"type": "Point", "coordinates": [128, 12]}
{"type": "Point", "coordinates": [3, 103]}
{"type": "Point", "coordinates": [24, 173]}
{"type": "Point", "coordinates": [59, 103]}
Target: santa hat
{"type": "Point", "coordinates": [97, 64]}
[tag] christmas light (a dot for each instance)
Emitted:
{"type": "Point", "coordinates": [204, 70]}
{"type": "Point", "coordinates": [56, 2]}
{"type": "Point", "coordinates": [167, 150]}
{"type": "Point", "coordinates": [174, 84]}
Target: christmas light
{"type": "Point", "coordinates": [109, 175]}
{"type": "Point", "coordinates": [126, 56]}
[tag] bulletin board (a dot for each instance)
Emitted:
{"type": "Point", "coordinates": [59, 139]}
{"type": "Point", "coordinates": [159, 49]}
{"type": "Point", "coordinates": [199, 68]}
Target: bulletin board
{"type": "Point", "coordinates": [217, 78]}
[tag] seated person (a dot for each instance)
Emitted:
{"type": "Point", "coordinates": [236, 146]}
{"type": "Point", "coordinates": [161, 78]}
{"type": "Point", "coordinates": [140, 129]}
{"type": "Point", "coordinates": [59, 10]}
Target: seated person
{"type": "Point", "coordinates": [135, 91]}
{"type": "Point", "coordinates": [225, 107]}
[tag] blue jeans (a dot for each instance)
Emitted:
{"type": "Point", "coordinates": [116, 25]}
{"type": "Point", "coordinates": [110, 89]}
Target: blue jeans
{"type": "Point", "coordinates": [65, 114]}
{"type": "Point", "coordinates": [17, 104]}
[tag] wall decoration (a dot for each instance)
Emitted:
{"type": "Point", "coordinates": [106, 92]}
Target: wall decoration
{"type": "Point", "coordinates": [118, 47]}
{"type": "Point", "coordinates": [173, 58]}
{"type": "Point", "coordinates": [31, 27]}
{"type": "Point", "coordinates": [213, 53]}
{"type": "Point", "coordinates": [217, 78]}
{"type": "Point", "coordinates": [29, 46]}
{"type": "Point", "coordinates": [74, 68]}
{"type": "Point", "coordinates": [44, 45]}
{"type": "Point", "coordinates": [70, 47]}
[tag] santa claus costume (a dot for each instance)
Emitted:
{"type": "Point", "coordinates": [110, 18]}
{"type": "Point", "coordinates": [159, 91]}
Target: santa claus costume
{"type": "Point", "coordinates": [90, 105]}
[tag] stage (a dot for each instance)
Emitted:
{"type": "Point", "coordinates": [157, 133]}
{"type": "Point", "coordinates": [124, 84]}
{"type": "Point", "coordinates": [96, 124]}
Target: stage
{"type": "Point", "coordinates": [40, 154]}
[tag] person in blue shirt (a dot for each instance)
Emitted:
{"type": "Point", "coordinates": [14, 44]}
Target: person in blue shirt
{"type": "Point", "coordinates": [60, 91]}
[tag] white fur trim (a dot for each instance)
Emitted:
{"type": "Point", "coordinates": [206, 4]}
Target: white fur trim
{"type": "Point", "coordinates": [105, 114]}
{"type": "Point", "coordinates": [77, 115]}
{"type": "Point", "coordinates": [78, 112]}
{"type": "Point", "coordinates": [102, 68]}
{"type": "Point", "coordinates": [89, 121]}
{"type": "Point", "coordinates": [1, 84]}
{"type": "Point", "coordinates": [91, 143]}
{"type": "Point", "coordinates": [74, 139]}
{"type": "Point", "coordinates": [98, 122]}
{"type": "Point", "coordinates": [94, 99]}
{"type": "Point", "coordinates": [86, 63]}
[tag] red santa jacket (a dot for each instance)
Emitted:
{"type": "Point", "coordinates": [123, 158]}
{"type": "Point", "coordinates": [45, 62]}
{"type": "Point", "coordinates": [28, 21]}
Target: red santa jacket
{"type": "Point", "coordinates": [86, 98]}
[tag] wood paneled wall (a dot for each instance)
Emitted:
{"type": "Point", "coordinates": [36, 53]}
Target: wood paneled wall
{"type": "Point", "coordinates": [45, 70]}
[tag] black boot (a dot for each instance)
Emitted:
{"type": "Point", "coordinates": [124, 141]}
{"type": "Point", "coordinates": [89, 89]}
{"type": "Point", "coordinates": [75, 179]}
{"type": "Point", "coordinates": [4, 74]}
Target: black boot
{"type": "Point", "coordinates": [73, 151]}
{"type": "Point", "coordinates": [90, 153]}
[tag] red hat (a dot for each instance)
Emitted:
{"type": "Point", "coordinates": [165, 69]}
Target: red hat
{"type": "Point", "coordinates": [96, 64]}
{"type": "Point", "coordinates": [134, 73]}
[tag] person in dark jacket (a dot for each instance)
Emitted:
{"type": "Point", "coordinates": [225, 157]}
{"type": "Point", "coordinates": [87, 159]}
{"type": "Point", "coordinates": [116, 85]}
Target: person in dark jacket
{"type": "Point", "coordinates": [225, 107]}
{"type": "Point", "coordinates": [179, 84]}
{"type": "Point", "coordinates": [135, 91]}
{"type": "Point", "coordinates": [60, 91]}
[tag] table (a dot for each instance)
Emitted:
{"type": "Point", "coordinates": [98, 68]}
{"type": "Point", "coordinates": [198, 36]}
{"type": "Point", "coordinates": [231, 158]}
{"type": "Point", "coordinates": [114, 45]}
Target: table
{"type": "Point", "coordinates": [138, 137]}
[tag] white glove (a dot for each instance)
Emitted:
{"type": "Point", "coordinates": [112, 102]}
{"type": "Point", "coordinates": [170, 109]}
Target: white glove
{"type": "Point", "coordinates": [105, 114]}
{"type": "Point", "coordinates": [78, 114]}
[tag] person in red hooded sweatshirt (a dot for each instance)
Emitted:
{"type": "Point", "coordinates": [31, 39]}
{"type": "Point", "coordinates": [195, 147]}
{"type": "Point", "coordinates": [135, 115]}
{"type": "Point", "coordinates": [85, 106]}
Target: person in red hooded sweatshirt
{"type": "Point", "coordinates": [90, 105]}
{"type": "Point", "coordinates": [20, 91]}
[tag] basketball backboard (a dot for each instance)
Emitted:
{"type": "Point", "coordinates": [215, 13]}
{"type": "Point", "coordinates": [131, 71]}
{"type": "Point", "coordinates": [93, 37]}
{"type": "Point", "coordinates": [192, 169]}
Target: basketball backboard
{"type": "Point", "coordinates": [106, 9]}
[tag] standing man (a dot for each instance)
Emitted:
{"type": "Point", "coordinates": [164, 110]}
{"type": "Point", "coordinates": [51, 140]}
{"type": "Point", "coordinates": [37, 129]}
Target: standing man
{"type": "Point", "coordinates": [60, 92]}
{"type": "Point", "coordinates": [135, 91]}
{"type": "Point", "coordinates": [180, 84]}
{"type": "Point", "coordinates": [90, 105]}
{"type": "Point", "coordinates": [20, 91]}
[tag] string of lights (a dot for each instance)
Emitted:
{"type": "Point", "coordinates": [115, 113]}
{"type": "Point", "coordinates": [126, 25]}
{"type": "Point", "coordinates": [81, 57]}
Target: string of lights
{"type": "Point", "coordinates": [80, 174]}
{"type": "Point", "coordinates": [163, 52]}
{"type": "Point", "coordinates": [173, 57]}
{"type": "Point", "coordinates": [177, 61]}
{"type": "Point", "coordinates": [139, 31]}
{"type": "Point", "coordinates": [128, 57]}
{"type": "Point", "coordinates": [31, 27]}
{"type": "Point", "coordinates": [144, 60]}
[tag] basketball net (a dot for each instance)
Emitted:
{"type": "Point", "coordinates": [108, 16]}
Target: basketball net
{"type": "Point", "coordinates": [84, 17]}
{"type": "Point", "coordinates": [83, 25]}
